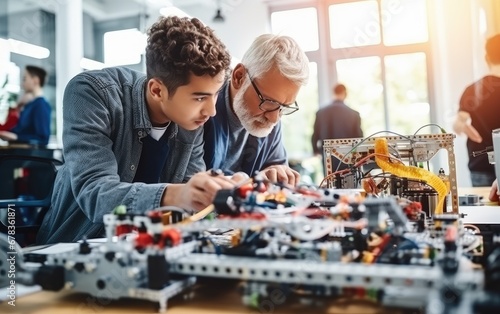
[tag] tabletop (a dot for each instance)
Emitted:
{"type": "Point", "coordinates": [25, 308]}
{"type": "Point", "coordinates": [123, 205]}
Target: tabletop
{"type": "Point", "coordinates": [208, 297]}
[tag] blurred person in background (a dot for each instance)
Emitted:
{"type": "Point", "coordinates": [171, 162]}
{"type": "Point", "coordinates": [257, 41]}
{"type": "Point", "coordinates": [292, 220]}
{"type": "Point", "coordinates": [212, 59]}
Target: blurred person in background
{"type": "Point", "coordinates": [337, 120]}
{"type": "Point", "coordinates": [33, 126]}
{"type": "Point", "coordinates": [13, 113]}
{"type": "Point", "coordinates": [478, 116]}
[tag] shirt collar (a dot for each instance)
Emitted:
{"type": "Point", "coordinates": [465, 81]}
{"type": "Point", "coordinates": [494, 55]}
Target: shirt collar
{"type": "Point", "coordinates": [140, 109]}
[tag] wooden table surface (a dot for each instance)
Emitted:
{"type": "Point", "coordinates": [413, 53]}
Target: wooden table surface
{"type": "Point", "coordinates": [206, 299]}
{"type": "Point", "coordinates": [481, 191]}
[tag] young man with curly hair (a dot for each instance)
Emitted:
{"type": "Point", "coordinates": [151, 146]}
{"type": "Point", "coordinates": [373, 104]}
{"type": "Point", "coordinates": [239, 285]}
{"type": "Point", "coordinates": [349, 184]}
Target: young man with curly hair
{"type": "Point", "coordinates": [246, 135]}
{"type": "Point", "coordinates": [126, 134]}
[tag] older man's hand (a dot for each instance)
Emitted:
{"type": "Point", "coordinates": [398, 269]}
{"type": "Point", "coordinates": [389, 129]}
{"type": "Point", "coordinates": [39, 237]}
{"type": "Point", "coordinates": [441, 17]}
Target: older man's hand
{"type": "Point", "coordinates": [281, 173]}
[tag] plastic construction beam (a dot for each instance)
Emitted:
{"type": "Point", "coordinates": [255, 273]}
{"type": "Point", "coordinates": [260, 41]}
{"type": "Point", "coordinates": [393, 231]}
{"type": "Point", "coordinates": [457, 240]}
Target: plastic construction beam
{"type": "Point", "coordinates": [328, 274]}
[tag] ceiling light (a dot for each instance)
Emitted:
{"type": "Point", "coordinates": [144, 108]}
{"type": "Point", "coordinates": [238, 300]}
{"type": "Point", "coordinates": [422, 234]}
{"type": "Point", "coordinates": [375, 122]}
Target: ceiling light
{"type": "Point", "coordinates": [218, 16]}
{"type": "Point", "coordinates": [26, 49]}
{"type": "Point", "coordinates": [89, 64]}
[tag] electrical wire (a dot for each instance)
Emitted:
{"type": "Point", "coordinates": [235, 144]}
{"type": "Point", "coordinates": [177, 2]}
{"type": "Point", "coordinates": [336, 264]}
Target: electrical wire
{"type": "Point", "coordinates": [358, 164]}
{"type": "Point", "coordinates": [482, 152]}
{"type": "Point", "coordinates": [477, 240]}
{"type": "Point", "coordinates": [200, 215]}
{"type": "Point", "coordinates": [367, 138]}
{"type": "Point", "coordinates": [430, 124]}
{"type": "Point", "coordinates": [174, 209]}
{"type": "Point", "coordinates": [216, 246]}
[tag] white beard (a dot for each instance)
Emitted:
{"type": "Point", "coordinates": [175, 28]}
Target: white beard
{"type": "Point", "coordinates": [256, 126]}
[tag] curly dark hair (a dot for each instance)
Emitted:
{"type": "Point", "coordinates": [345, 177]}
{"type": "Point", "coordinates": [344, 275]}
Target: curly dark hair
{"type": "Point", "coordinates": [178, 47]}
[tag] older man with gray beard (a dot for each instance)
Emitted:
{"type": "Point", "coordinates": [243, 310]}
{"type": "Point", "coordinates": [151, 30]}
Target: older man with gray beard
{"type": "Point", "coordinates": [245, 134]}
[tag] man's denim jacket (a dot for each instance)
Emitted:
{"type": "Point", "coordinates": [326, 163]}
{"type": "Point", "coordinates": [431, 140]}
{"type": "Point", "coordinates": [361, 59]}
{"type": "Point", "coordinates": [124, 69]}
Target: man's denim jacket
{"type": "Point", "coordinates": [105, 118]}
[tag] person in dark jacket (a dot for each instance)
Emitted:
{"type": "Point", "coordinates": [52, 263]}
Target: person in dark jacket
{"type": "Point", "coordinates": [245, 134]}
{"type": "Point", "coordinates": [335, 121]}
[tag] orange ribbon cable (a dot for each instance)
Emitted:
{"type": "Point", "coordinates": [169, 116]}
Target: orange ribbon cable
{"type": "Point", "coordinates": [404, 171]}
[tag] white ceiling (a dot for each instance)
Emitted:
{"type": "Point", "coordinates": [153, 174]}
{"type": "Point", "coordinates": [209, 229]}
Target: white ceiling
{"type": "Point", "coordinates": [111, 9]}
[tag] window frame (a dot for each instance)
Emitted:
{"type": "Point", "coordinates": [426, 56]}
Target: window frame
{"type": "Point", "coordinates": [326, 55]}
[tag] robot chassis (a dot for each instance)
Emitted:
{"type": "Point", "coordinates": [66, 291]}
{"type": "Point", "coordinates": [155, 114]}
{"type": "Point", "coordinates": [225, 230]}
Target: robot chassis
{"type": "Point", "coordinates": [164, 261]}
{"type": "Point", "coordinates": [414, 149]}
{"type": "Point", "coordinates": [270, 234]}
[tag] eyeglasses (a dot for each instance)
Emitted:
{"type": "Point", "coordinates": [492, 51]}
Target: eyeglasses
{"type": "Point", "coordinates": [269, 105]}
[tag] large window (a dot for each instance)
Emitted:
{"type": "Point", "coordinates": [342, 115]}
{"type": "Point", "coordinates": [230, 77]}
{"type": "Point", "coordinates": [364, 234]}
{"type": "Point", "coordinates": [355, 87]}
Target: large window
{"type": "Point", "coordinates": [297, 128]}
{"type": "Point", "coordinates": [378, 48]}
{"type": "Point", "coordinates": [362, 77]}
{"type": "Point", "coordinates": [297, 133]}
{"type": "Point", "coordinates": [285, 23]}
{"type": "Point", "coordinates": [404, 21]}
{"type": "Point", "coordinates": [406, 92]}
{"type": "Point", "coordinates": [354, 24]}
{"type": "Point", "coordinates": [381, 48]}
{"type": "Point", "coordinates": [123, 47]}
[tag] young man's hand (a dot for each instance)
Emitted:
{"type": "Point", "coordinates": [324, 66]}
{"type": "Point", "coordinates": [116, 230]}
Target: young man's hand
{"type": "Point", "coordinates": [198, 192]}
{"type": "Point", "coordinates": [239, 177]}
{"type": "Point", "coordinates": [281, 173]}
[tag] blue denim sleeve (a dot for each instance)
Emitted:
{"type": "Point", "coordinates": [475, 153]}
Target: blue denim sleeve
{"type": "Point", "coordinates": [94, 126]}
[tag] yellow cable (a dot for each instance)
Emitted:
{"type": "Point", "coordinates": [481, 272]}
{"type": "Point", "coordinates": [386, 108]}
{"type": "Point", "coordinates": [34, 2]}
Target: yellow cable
{"type": "Point", "coordinates": [412, 172]}
{"type": "Point", "coordinates": [200, 215]}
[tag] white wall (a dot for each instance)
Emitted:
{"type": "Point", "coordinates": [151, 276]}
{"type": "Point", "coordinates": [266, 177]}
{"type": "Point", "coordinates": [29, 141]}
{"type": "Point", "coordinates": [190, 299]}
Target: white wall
{"type": "Point", "coordinates": [245, 20]}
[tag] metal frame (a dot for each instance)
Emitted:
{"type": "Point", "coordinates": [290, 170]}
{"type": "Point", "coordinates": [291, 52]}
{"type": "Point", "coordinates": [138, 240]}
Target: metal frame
{"type": "Point", "coordinates": [421, 148]}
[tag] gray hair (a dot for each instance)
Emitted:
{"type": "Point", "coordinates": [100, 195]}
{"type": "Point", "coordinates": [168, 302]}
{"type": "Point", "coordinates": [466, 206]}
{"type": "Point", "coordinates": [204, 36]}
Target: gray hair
{"type": "Point", "coordinates": [283, 51]}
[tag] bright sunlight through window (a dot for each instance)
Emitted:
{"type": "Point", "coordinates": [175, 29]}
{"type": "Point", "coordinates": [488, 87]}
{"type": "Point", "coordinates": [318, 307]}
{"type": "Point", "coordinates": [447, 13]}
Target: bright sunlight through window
{"type": "Point", "coordinates": [124, 47]}
{"type": "Point", "coordinates": [291, 23]}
